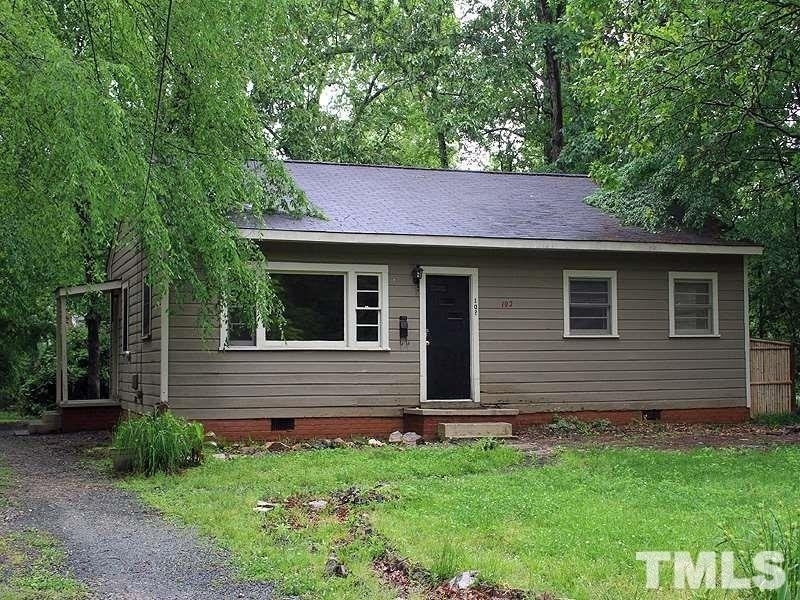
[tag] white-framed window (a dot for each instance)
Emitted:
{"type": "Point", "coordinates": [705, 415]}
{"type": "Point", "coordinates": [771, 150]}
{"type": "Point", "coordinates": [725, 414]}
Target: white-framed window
{"type": "Point", "coordinates": [147, 309]}
{"type": "Point", "coordinates": [590, 304]}
{"type": "Point", "coordinates": [326, 307]}
{"type": "Point", "coordinates": [693, 304]}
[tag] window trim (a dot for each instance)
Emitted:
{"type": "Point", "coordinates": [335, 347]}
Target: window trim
{"type": "Point", "coordinates": [146, 335]}
{"type": "Point", "coordinates": [612, 292]}
{"type": "Point", "coordinates": [699, 275]}
{"type": "Point", "coordinates": [350, 273]}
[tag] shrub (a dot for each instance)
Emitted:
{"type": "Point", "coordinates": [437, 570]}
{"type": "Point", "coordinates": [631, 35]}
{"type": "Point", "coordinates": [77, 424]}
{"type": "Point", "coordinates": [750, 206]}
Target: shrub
{"type": "Point", "coordinates": [779, 420]}
{"type": "Point", "coordinates": [489, 443]}
{"type": "Point", "coordinates": [159, 443]}
{"type": "Point", "coordinates": [573, 425]}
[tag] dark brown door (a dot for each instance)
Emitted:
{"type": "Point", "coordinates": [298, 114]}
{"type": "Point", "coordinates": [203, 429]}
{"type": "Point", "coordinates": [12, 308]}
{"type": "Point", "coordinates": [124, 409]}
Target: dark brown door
{"type": "Point", "coordinates": [447, 322]}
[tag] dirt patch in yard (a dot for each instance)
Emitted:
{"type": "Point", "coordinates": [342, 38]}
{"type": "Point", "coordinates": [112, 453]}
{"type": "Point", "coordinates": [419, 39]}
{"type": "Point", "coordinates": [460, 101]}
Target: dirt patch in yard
{"type": "Point", "coordinates": [407, 579]}
{"type": "Point", "coordinates": [541, 439]}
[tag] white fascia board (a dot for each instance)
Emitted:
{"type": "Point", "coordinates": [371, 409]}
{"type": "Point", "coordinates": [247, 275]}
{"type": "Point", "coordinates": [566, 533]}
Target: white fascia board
{"type": "Point", "coordinates": [496, 243]}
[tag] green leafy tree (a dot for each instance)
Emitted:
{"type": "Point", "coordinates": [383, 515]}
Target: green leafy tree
{"type": "Point", "coordinates": [518, 60]}
{"type": "Point", "coordinates": [697, 106]}
{"type": "Point", "coordinates": [137, 114]}
{"type": "Point", "coordinates": [370, 83]}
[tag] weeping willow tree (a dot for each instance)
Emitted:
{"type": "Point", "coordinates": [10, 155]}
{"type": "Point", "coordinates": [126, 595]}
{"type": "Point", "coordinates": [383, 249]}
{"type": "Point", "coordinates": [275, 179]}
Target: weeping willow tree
{"type": "Point", "coordinates": [134, 113]}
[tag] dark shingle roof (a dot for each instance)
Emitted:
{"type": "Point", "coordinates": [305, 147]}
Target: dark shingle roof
{"type": "Point", "coordinates": [361, 199]}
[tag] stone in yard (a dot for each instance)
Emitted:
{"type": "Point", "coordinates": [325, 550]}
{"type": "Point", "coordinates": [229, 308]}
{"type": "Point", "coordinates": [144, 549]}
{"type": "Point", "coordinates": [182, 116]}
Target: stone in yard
{"type": "Point", "coordinates": [276, 447]}
{"type": "Point", "coordinates": [334, 567]}
{"type": "Point", "coordinates": [248, 449]}
{"type": "Point", "coordinates": [374, 443]}
{"type": "Point", "coordinates": [396, 437]}
{"type": "Point", "coordinates": [463, 581]}
{"type": "Point", "coordinates": [211, 435]}
{"type": "Point", "coordinates": [264, 506]}
{"type": "Point", "coordinates": [318, 504]}
{"type": "Point", "coordinates": [339, 443]}
{"type": "Point", "coordinates": [220, 456]}
{"type": "Point", "coordinates": [411, 438]}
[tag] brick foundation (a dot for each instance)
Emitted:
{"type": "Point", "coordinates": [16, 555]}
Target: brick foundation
{"type": "Point", "coordinates": [426, 426]}
{"type": "Point", "coordinates": [89, 418]}
{"type": "Point", "coordinates": [733, 414]}
{"type": "Point", "coordinates": [106, 417]}
{"type": "Point", "coordinates": [305, 428]}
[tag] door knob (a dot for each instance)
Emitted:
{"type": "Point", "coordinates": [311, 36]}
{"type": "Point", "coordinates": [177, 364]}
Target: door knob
{"type": "Point", "coordinates": [427, 337]}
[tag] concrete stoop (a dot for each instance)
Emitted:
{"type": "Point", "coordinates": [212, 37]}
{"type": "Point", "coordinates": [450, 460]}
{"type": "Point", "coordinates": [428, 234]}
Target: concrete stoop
{"type": "Point", "coordinates": [49, 422]}
{"type": "Point", "coordinates": [469, 431]}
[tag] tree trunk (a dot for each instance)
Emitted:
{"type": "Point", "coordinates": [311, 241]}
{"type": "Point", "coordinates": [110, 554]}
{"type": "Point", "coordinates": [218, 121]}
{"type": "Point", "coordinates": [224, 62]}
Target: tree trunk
{"type": "Point", "coordinates": [554, 107]}
{"type": "Point", "coordinates": [441, 142]}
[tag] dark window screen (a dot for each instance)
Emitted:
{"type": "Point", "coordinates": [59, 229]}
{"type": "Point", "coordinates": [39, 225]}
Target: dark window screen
{"type": "Point", "coordinates": [590, 305]}
{"type": "Point", "coordinates": [313, 306]}
{"type": "Point", "coordinates": [125, 309]}
{"type": "Point", "coordinates": [147, 303]}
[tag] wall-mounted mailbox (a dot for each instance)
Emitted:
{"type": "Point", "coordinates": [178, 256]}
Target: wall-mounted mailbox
{"type": "Point", "coordinates": [403, 328]}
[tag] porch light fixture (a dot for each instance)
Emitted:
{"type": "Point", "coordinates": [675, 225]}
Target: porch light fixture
{"type": "Point", "coordinates": [416, 275]}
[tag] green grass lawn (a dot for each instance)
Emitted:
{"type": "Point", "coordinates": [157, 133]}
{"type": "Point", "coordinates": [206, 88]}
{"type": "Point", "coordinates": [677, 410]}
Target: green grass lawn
{"type": "Point", "coordinates": [10, 416]}
{"type": "Point", "coordinates": [572, 527]}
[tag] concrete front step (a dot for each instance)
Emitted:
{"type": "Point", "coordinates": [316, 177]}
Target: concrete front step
{"type": "Point", "coordinates": [465, 431]}
{"type": "Point", "coordinates": [49, 422]}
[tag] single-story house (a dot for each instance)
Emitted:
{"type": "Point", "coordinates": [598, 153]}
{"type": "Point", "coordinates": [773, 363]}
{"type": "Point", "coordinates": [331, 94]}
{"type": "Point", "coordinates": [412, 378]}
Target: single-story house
{"type": "Point", "coordinates": [431, 295]}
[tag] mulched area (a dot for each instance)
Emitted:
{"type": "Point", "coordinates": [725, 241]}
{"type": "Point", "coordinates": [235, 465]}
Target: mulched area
{"type": "Point", "coordinates": [114, 544]}
{"type": "Point", "coordinates": [661, 436]}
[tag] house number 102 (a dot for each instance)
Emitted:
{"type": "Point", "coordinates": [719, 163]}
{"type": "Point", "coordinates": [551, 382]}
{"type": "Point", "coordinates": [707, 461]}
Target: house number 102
{"type": "Point", "coordinates": [506, 303]}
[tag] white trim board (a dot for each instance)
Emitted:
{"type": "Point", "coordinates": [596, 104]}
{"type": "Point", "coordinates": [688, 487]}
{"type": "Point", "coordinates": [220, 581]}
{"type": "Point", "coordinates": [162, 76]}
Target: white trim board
{"type": "Point", "coordinates": [498, 243]}
{"type": "Point", "coordinates": [746, 282]}
{"type": "Point", "coordinates": [474, 337]}
{"type": "Point", "coordinates": [105, 286]}
{"type": "Point", "coordinates": [164, 354]}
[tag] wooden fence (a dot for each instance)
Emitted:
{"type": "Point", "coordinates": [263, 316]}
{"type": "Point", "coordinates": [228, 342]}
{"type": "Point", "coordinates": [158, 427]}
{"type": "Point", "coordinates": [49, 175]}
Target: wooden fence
{"type": "Point", "coordinates": [771, 377]}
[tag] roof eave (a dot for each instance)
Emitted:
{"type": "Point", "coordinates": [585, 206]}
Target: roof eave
{"type": "Point", "coordinates": [283, 235]}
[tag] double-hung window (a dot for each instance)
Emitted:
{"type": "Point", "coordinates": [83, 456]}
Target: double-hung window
{"type": "Point", "coordinates": [590, 303]}
{"type": "Point", "coordinates": [693, 304]}
{"type": "Point", "coordinates": [326, 307]}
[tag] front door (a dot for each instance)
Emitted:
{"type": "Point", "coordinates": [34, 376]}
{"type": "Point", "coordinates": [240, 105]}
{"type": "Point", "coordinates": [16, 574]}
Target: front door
{"type": "Point", "coordinates": [447, 320]}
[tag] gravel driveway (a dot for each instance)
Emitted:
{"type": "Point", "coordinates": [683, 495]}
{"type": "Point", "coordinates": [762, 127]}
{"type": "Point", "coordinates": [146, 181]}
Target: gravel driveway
{"type": "Point", "coordinates": [114, 544]}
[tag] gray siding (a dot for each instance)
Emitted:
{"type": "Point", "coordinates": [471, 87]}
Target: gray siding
{"type": "Point", "coordinates": [525, 361]}
{"type": "Point", "coordinates": [129, 265]}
